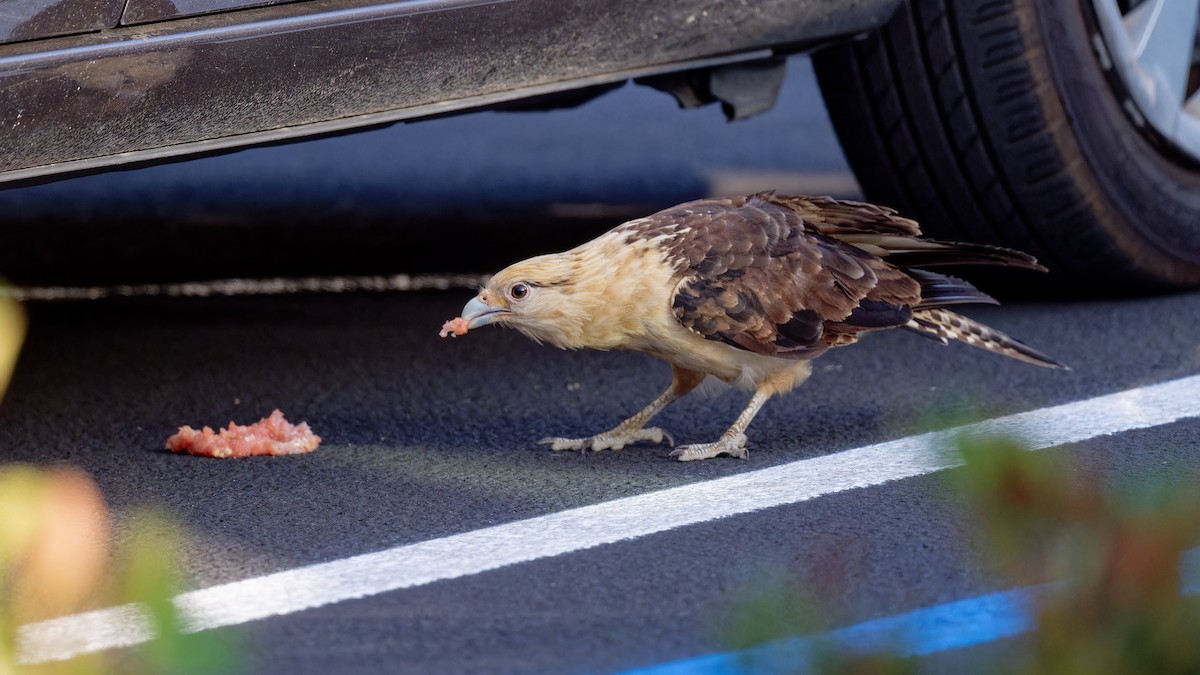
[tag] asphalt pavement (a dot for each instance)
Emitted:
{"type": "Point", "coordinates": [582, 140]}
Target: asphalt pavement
{"type": "Point", "coordinates": [426, 438]}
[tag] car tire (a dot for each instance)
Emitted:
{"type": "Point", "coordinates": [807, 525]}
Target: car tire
{"type": "Point", "coordinates": [995, 121]}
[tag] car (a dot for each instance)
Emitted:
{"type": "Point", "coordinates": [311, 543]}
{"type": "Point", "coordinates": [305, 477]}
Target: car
{"type": "Point", "coordinates": [1069, 130]}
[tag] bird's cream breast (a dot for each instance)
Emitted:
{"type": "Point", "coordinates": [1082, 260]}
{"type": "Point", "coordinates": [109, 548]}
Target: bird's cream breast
{"type": "Point", "coordinates": [739, 367]}
{"type": "Point", "coordinates": [636, 299]}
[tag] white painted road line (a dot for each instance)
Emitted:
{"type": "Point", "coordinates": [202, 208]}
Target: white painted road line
{"type": "Point", "coordinates": [234, 287]}
{"type": "Point", "coordinates": [483, 550]}
{"type": "Point", "coordinates": [731, 182]}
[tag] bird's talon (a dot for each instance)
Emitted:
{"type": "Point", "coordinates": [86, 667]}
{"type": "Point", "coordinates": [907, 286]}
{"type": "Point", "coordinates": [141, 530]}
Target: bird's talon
{"type": "Point", "coordinates": [558, 444]}
{"type": "Point", "coordinates": [612, 440]}
{"type": "Point", "coordinates": [734, 447]}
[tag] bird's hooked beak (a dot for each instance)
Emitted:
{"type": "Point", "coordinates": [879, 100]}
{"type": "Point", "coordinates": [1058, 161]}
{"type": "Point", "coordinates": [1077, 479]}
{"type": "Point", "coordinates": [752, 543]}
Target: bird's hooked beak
{"type": "Point", "coordinates": [479, 313]}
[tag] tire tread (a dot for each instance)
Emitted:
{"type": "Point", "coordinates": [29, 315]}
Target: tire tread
{"type": "Point", "coordinates": [953, 105]}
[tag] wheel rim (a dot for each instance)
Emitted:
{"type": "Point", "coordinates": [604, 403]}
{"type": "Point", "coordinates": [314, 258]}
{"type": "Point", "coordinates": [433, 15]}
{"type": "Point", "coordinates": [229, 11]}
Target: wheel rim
{"type": "Point", "coordinates": [1152, 48]}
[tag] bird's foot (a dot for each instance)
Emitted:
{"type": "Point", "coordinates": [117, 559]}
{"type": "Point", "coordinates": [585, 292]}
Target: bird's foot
{"type": "Point", "coordinates": [609, 440]}
{"type": "Point", "coordinates": [734, 446]}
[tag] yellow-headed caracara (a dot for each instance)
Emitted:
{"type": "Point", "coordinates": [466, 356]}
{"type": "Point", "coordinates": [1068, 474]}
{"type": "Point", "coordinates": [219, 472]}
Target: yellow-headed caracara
{"type": "Point", "coordinates": [747, 289]}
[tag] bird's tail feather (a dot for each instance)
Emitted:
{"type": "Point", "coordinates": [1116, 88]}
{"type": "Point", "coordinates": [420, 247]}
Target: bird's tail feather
{"type": "Point", "coordinates": [943, 325]}
{"type": "Point", "coordinates": [943, 290]}
{"type": "Point", "coordinates": [913, 252]}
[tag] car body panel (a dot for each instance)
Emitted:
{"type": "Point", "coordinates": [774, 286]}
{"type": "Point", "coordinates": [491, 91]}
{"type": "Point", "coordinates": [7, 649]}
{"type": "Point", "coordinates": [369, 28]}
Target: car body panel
{"type": "Point", "coordinates": [145, 11]}
{"type": "Point", "coordinates": [33, 19]}
{"type": "Point", "coordinates": [144, 93]}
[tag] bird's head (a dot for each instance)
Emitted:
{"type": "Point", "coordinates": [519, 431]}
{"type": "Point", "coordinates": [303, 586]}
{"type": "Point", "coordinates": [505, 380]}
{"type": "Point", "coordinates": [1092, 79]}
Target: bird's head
{"type": "Point", "coordinates": [542, 297]}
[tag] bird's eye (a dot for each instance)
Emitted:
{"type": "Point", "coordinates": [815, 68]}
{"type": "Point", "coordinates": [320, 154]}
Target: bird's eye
{"type": "Point", "coordinates": [518, 291]}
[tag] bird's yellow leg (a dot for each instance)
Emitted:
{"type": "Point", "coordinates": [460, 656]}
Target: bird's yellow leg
{"type": "Point", "coordinates": [733, 441]}
{"type": "Point", "coordinates": [634, 429]}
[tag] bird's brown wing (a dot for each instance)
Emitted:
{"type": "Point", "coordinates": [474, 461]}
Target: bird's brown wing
{"type": "Point", "coordinates": [756, 274]}
{"type": "Point", "coordinates": [880, 231]}
{"type": "Point", "coordinates": [839, 217]}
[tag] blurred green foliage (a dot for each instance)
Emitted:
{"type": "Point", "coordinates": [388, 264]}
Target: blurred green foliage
{"type": "Point", "coordinates": [12, 333]}
{"type": "Point", "coordinates": [773, 613]}
{"type": "Point", "coordinates": [1116, 605]}
{"type": "Point", "coordinates": [149, 574]}
{"type": "Point", "coordinates": [55, 559]}
{"type": "Point", "coordinates": [1120, 608]}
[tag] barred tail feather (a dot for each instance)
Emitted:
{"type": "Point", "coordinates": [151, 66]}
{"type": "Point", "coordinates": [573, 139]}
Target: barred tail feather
{"type": "Point", "coordinates": [942, 325]}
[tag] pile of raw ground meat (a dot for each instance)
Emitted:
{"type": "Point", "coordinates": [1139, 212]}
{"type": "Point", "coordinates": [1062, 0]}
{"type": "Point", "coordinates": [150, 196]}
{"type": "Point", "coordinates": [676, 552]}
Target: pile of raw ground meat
{"type": "Point", "coordinates": [271, 436]}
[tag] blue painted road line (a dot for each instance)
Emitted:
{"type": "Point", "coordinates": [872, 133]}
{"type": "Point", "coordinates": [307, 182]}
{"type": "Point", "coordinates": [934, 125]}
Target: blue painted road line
{"type": "Point", "coordinates": [939, 628]}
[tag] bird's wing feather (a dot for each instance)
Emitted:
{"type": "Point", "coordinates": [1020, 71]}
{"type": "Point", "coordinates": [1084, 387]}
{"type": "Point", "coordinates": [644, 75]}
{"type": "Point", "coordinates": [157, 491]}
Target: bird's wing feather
{"type": "Point", "coordinates": [842, 217]}
{"type": "Point", "coordinates": [880, 231]}
{"type": "Point", "coordinates": [758, 274]}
